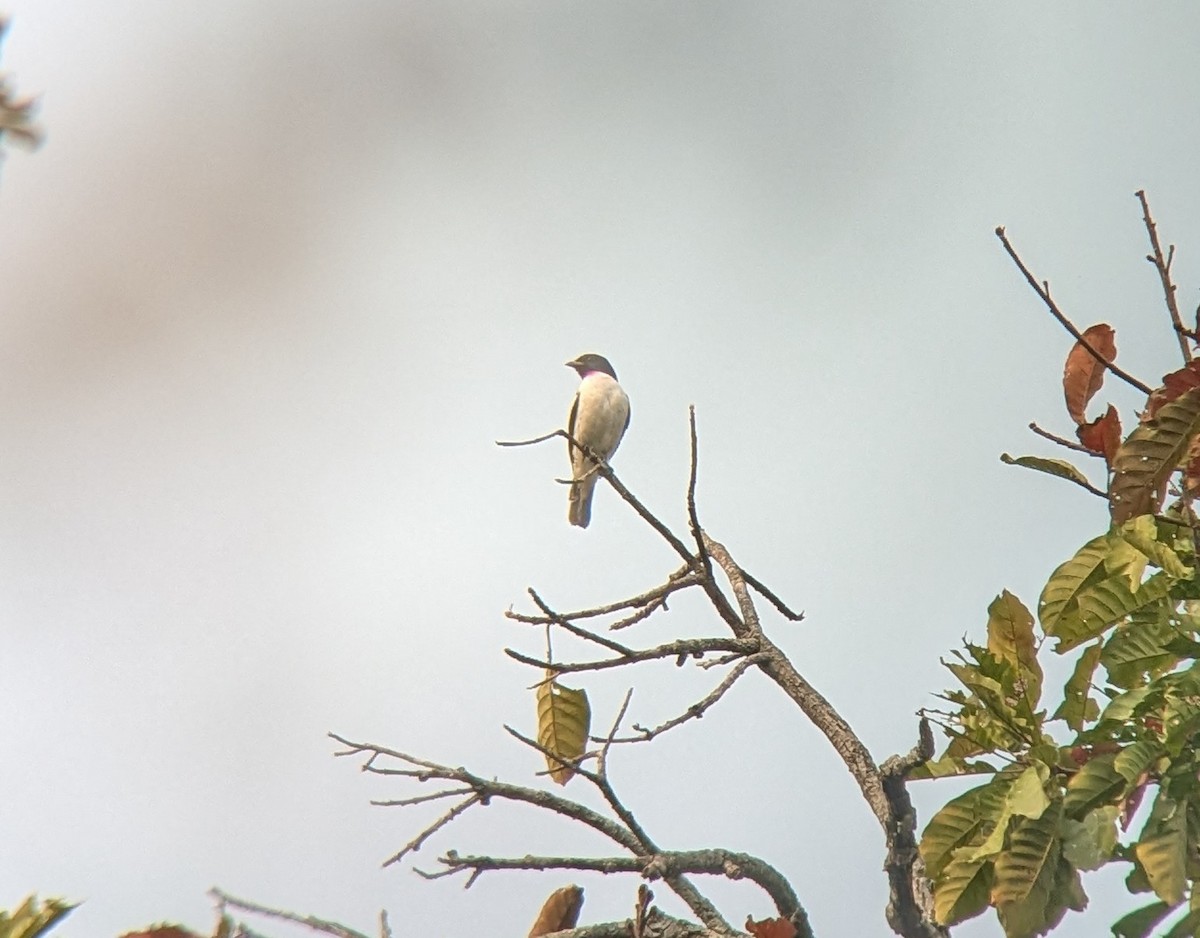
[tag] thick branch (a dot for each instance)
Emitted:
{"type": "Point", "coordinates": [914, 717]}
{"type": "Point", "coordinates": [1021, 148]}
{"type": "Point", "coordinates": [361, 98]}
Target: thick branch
{"type": "Point", "coordinates": [910, 909]}
{"type": "Point", "coordinates": [1043, 290]}
{"type": "Point", "coordinates": [819, 711]}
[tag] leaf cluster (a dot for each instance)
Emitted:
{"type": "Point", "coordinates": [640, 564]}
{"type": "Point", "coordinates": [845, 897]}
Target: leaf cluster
{"type": "Point", "coordinates": [1067, 772]}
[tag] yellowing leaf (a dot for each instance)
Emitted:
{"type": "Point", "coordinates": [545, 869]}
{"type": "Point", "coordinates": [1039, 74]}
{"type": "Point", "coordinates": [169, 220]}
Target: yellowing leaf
{"type": "Point", "coordinates": [1054, 467]}
{"type": "Point", "coordinates": [559, 912]}
{"type": "Point", "coordinates": [1010, 636]}
{"type": "Point", "coordinates": [564, 720]}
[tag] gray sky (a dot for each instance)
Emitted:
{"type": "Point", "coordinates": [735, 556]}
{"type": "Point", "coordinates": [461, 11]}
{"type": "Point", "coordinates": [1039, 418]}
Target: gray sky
{"type": "Point", "coordinates": [284, 270]}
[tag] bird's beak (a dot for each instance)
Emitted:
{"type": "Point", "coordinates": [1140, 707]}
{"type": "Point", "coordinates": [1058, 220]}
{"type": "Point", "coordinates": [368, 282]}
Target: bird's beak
{"type": "Point", "coordinates": [572, 364]}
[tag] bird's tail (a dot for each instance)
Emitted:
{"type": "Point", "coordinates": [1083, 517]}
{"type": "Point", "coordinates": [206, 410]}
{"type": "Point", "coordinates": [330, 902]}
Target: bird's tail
{"type": "Point", "coordinates": [579, 505]}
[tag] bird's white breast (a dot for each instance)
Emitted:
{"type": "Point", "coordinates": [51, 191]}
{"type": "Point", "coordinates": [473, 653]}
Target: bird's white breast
{"type": "Point", "coordinates": [602, 414]}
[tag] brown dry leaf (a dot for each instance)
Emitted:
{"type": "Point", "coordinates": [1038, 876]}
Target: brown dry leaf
{"type": "Point", "coordinates": [1174, 384]}
{"type": "Point", "coordinates": [1083, 375]}
{"type": "Point", "coordinates": [162, 931]}
{"type": "Point", "coordinates": [771, 928]}
{"type": "Point", "coordinates": [559, 912]}
{"type": "Point", "coordinates": [1103, 435]}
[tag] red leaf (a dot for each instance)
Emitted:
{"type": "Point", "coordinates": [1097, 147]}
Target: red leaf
{"type": "Point", "coordinates": [1083, 375]}
{"type": "Point", "coordinates": [1103, 435]}
{"type": "Point", "coordinates": [771, 928]}
{"type": "Point", "coordinates": [1174, 384]}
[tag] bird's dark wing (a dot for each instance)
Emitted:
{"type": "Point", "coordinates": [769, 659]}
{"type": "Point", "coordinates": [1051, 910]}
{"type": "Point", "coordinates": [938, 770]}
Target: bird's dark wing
{"type": "Point", "coordinates": [571, 428]}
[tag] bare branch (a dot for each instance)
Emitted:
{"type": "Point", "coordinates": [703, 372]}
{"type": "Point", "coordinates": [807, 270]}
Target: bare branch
{"type": "Point", "coordinates": [679, 580]}
{"type": "Point", "coordinates": [421, 799]}
{"type": "Point", "coordinates": [654, 866]}
{"type": "Point", "coordinates": [683, 648]}
{"type": "Point", "coordinates": [696, 710]}
{"type": "Point", "coordinates": [489, 789]}
{"type": "Point", "coordinates": [774, 600]}
{"type": "Point", "coordinates": [537, 439]}
{"type": "Point", "coordinates": [308, 921]}
{"type": "Point", "coordinates": [1163, 266]}
{"type": "Point", "coordinates": [602, 757]}
{"type": "Point", "coordinates": [1043, 290]}
{"type": "Point", "coordinates": [1061, 441]}
{"type": "Point", "coordinates": [415, 844]}
{"type": "Point", "coordinates": [693, 517]}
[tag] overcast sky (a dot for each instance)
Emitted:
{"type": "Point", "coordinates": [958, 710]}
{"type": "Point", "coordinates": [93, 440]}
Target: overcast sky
{"type": "Point", "coordinates": [284, 271]}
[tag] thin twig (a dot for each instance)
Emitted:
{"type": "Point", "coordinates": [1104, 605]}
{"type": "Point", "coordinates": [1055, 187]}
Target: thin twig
{"type": "Point", "coordinates": [657, 865]}
{"type": "Point", "coordinates": [680, 579]}
{"type": "Point", "coordinates": [693, 517]}
{"type": "Point", "coordinates": [780, 606]}
{"type": "Point", "coordinates": [421, 799]}
{"type": "Point", "coordinates": [684, 647]}
{"type": "Point", "coordinates": [1042, 289]}
{"type": "Point", "coordinates": [1164, 275]}
{"type": "Point", "coordinates": [602, 756]}
{"type": "Point", "coordinates": [603, 469]}
{"type": "Point", "coordinates": [696, 710]}
{"type": "Point", "coordinates": [415, 844]}
{"type": "Point", "coordinates": [1061, 441]}
{"type": "Point", "coordinates": [308, 921]}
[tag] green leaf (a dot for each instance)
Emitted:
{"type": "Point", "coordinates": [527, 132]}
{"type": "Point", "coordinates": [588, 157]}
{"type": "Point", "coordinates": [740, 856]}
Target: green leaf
{"type": "Point", "coordinates": [1096, 783]}
{"type": "Point", "coordinates": [1143, 533]}
{"type": "Point", "coordinates": [969, 817]}
{"type": "Point", "coordinates": [1142, 646]}
{"type": "Point", "coordinates": [1104, 603]}
{"type": "Point", "coordinates": [961, 892]}
{"type": "Point", "coordinates": [1060, 595]}
{"type": "Point", "coordinates": [564, 720]}
{"type": "Point", "coordinates": [1055, 467]}
{"type": "Point", "coordinates": [1032, 848]}
{"type": "Point", "coordinates": [949, 767]}
{"type": "Point", "coordinates": [1161, 850]}
{"type": "Point", "coordinates": [1149, 455]}
{"type": "Point", "coordinates": [1077, 706]}
{"type": "Point", "coordinates": [1122, 708]}
{"type": "Point", "coordinates": [1089, 844]}
{"type": "Point", "coordinates": [1029, 850]}
{"type": "Point", "coordinates": [1010, 637]}
{"type": "Point", "coordinates": [1138, 923]}
{"type": "Point", "coordinates": [1026, 797]}
{"type": "Point", "coordinates": [1136, 758]}
{"type": "Point", "coordinates": [1186, 927]}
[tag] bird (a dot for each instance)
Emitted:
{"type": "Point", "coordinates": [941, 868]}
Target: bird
{"type": "Point", "coordinates": [599, 417]}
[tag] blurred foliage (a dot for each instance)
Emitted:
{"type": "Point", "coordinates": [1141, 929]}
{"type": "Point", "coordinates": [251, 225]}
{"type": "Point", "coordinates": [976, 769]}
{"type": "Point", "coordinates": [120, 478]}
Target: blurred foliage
{"type": "Point", "coordinates": [32, 918]}
{"type": "Point", "coordinates": [17, 115]}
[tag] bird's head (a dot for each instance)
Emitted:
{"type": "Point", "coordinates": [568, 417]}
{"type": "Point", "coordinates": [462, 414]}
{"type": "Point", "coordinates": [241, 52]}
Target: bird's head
{"type": "Point", "coordinates": [590, 363]}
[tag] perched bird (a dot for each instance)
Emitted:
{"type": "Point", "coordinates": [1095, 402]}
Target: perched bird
{"type": "Point", "coordinates": [599, 416]}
